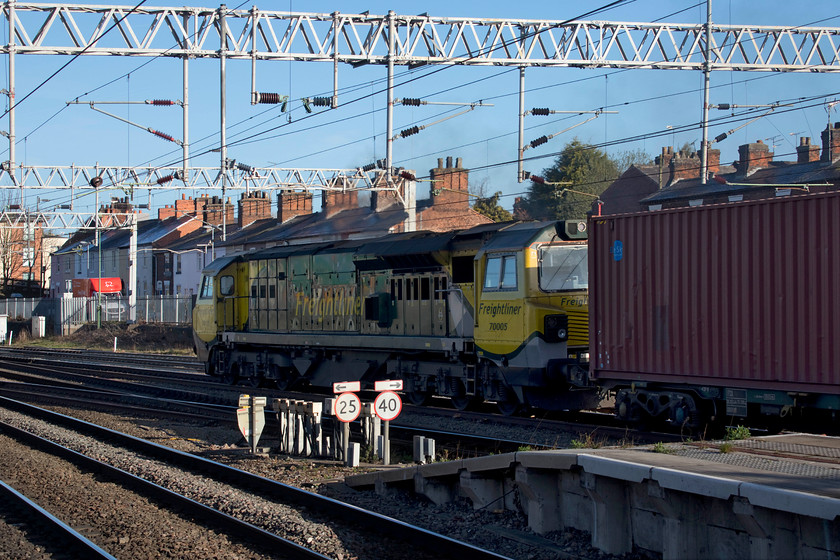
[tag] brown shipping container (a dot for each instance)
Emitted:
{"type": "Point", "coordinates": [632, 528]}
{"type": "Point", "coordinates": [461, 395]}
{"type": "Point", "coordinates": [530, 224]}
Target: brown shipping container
{"type": "Point", "coordinates": [744, 294]}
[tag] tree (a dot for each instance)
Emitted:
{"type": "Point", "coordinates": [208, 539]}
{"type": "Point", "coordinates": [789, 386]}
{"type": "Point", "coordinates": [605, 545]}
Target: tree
{"type": "Point", "coordinates": [490, 207]}
{"type": "Point", "coordinates": [624, 160]}
{"type": "Point", "coordinates": [10, 255]}
{"type": "Point", "coordinates": [579, 175]}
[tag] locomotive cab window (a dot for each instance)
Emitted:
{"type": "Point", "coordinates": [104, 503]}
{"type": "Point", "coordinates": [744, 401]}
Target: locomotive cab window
{"type": "Point", "coordinates": [563, 267]}
{"type": "Point", "coordinates": [206, 288]}
{"type": "Point", "coordinates": [500, 273]}
{"type": "Point", "coordinates": [226, 285]}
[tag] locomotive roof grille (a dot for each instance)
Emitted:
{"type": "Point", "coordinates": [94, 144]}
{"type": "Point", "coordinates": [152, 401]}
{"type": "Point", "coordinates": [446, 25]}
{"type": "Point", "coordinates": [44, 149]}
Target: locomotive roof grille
{"type": "Point", "coordinates": [399, 263]}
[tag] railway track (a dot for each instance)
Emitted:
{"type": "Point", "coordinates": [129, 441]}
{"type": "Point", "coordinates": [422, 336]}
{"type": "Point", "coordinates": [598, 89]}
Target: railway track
{"type": "Point", "coordinates": [464, 433]}
{"type": "Point", "coordinates": [178, 394]}
{"type": "Point", "coordinates": [167, 362]}
{"type": "Point", "coordinates": [193, 472]}
{"type": "Point", "coordinates": [46, 531]}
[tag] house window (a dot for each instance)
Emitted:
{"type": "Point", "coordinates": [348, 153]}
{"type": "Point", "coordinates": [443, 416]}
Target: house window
{"type": "Point", "coordinates": [28, 232]}
{"type": "Point", "coordinates": [178, 265]}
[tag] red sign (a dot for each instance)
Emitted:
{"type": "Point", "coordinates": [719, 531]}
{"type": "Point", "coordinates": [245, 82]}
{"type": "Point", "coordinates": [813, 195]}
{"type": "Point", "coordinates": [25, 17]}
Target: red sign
{"type": "Point", "coordinates": [86, 287]}
{"type": "Point", "coordinates": [106, 285]}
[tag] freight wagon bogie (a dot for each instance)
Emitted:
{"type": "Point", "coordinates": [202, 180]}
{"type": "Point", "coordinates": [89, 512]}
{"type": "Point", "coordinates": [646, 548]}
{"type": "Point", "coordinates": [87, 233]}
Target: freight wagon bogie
{"type": "Point", "coordinates": [682, 409]}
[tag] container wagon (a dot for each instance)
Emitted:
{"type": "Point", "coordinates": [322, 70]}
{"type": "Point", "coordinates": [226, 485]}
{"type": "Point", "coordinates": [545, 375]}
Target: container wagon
{"type": "Point", "coordinates": [719, 313]}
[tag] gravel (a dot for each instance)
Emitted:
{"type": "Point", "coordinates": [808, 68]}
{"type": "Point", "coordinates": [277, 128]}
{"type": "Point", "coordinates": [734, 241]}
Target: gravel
{"type": "Point", "coordinates": [498, 530]}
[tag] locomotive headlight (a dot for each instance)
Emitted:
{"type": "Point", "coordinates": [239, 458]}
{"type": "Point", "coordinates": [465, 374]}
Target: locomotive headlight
{"type": "Point", "coordinates": [556, 328]}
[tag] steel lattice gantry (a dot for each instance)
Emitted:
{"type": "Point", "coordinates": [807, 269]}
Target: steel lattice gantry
{"type": "Point", "coordinates": [391, 39]}
{"type": "Point", "coordinates": [154, 177]}
{"type": "Point", "coordinates": [362, 38]}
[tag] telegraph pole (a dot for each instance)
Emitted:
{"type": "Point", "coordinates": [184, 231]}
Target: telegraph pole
{"type": "Point", "coordinates": [12, 139]}
{"type": "Point", "coordinates": [707, 75]}
{"type": "Point", "coordinates": [223, 107]}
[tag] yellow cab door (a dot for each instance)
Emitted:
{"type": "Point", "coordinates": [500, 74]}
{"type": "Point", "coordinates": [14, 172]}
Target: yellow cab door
{"type": "Point", "coordinates": [499, 329]}
{"type": "Point", "coordinates": [219, 305]}
{"type": "Point", "coordinates": [204, 313]}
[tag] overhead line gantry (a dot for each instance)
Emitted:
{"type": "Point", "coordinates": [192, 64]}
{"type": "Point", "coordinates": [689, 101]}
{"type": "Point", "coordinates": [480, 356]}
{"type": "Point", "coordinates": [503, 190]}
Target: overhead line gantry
{"type": "Point", "coordinates": [390, 39]}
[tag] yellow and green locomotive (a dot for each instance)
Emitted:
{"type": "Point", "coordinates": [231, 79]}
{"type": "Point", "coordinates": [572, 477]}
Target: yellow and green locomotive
{"type": "Point", "coordinates": [498, 312]}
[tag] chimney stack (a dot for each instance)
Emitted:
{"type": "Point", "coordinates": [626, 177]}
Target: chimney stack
{"type": "Point", "coordinates": [292, 204]}
{"type": "Point", "coordinates": [450, 185]}
{"type": "Point", "coordinates": [338, 201]}
{"type": "Point", "coordinates": [753, 156]}
{"type": "Point", "coordinates": [807, 152]}
{"type": "Point", "coordinates": [252, 207]}
{"type": "Point", "coordinates": [683, 165]}
{"type": "Point", "coordinates": [831, 143]}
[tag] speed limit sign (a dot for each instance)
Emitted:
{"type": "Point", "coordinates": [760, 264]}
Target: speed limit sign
{"type": "Point", "coordinates": [387, 405]}
{"type": "Point", "coordinates": [347, 407]}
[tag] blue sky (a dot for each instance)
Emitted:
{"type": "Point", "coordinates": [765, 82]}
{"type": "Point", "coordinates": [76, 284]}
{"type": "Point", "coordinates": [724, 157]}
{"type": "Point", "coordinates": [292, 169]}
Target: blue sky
{"type": "Point", "coordinates": [647, 101]}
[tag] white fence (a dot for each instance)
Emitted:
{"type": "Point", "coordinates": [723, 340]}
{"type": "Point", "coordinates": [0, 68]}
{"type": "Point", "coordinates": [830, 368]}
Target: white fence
{"type": "Point", "coordinates": [65, 313]}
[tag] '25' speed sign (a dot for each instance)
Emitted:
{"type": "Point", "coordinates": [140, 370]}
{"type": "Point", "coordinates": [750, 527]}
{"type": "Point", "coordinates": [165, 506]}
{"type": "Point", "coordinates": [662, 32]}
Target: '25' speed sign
{"type": "Point", "coordinates": [347, 407]}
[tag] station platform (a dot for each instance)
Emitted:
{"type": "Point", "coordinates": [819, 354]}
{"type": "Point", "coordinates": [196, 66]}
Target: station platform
{"type": "Point", "coordinates": [764, 497]}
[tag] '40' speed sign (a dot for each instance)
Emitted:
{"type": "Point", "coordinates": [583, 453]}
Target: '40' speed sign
{"type": "Point", "coordinates": [387, 405]}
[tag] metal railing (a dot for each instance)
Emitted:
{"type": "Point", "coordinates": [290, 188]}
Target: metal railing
{"type": "Point", "coordinates": [171, 310]}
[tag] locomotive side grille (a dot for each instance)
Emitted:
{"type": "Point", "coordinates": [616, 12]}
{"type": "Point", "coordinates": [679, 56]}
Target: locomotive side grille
{"type": "Point", "coordinates": [578, 327]}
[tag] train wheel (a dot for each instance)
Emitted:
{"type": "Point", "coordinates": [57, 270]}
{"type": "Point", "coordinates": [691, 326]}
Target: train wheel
{"type": "Point", "coordinates": [231, 375]}
{"type": "Point", "coordinates": [508, 402]}
{"type": "Point", "coordinates": [418, 398]}
{"type": "Point", "coordinates": [210, 364]}
{"type": "Point", "coordinates": [509, 407]}
{"type": "Point", "coordinates": [283, 378]}
{"type": "Point", "coordinates": [254, 382]}
{"type": "Point", "coordinates": [465, 402]}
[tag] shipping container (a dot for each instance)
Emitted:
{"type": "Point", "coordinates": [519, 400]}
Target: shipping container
{"type": "Point", "coordinates": [738, 302]}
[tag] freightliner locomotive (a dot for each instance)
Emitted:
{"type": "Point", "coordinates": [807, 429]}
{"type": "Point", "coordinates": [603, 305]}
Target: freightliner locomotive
{"type": "Point", "coordinates": [495, 313]}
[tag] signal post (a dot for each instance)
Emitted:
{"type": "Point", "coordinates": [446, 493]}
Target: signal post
{"type": "Point", "coordinates": [346, 408]}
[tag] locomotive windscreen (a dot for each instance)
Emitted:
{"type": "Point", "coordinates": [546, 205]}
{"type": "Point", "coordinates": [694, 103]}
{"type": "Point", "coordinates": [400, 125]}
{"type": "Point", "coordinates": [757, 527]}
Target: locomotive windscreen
{"type": "Point", "coordinates": [564, 267]}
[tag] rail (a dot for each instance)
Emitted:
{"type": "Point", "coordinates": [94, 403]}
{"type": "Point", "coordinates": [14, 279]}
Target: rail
{"type": "Point", "coordinates": [413, 536]}
{"type": "Point", "coordinates": [74, 542]}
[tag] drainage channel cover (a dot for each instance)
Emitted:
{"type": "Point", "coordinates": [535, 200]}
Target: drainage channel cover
{"type": "Point", "coordinates": [803, 445]}
{"type": "Point", "coordinates": [762, 462]}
